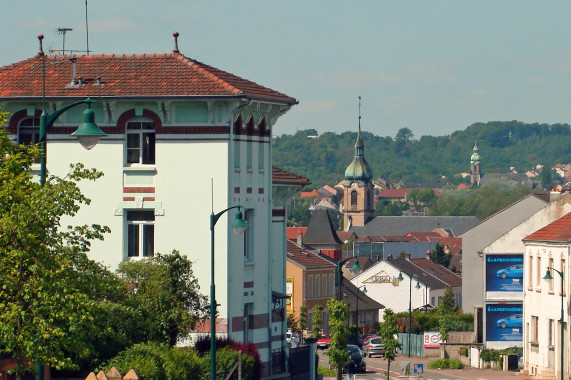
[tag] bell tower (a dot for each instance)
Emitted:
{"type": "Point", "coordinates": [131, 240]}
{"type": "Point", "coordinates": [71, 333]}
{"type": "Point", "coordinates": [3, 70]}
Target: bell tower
{"type": "Point", "coordinates": [475, 169]}
{"type": "Point", "coordinates": [358, 202]}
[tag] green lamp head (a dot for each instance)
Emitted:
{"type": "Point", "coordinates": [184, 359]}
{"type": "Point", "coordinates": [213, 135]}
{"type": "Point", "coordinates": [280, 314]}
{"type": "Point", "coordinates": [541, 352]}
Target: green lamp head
{"type": "Point", "coordinates": [400, 277]}
{"type": "Point", "coordinates": [417, 285]}
{"type": "Point", "coordinates": [356, 267]}
{"type": "Point", "coordinates": [548, 275]}
{"type": "Point", "coordinates": [239, 225]}
{"type": "Point", "coordinates": [88, 133]}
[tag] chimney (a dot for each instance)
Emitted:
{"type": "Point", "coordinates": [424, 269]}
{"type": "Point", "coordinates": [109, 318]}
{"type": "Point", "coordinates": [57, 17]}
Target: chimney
{"type": "Point", "coordinates": [98, 79]}
{"type": "Point", "coordinates": [407, 256]}
{"type": "Point", "coordinates": [300, 239]}
{"type": "Point", "coordinates": [73, 81]}
{"type": "Point", "coordinates": [175, 35]}
{"type": "Point", "coordinates": [80, 81]}
{"type": "Point", "coordinates": [428, 254]}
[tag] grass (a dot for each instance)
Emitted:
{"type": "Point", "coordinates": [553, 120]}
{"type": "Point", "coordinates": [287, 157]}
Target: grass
{"type": "Point", "coordinates": [321, 370]}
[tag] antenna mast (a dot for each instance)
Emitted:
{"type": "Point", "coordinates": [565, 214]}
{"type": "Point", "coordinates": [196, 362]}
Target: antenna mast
{"type": "Point", "coordinates": [63, 32]}
{"type": "Point", "coordinates": [86, 30]}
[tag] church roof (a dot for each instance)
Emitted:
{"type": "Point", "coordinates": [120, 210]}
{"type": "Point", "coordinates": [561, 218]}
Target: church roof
{"type": "Point", "coordinates": [320, 229]}
{"type": "Point", "coordinates": [475, 156]}
{"type": "Point", "coordinates": [359, 169]}
{"type": "Point", "coordinates": [149, 75]}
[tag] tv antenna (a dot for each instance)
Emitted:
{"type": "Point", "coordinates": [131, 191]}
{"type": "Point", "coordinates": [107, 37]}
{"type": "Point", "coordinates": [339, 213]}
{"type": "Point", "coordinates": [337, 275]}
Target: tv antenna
{"type": "Point", "coordinates": [63, 32]}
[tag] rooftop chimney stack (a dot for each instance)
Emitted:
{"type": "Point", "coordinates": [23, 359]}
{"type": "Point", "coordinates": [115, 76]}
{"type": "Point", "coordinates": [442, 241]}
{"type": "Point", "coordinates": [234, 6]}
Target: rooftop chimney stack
{"type": "Point", "coordinates": [175, 35]}
{"type": "Point", "coordinates": [73, 80]}
{"type": "Point", "coordinates": [40, 38]}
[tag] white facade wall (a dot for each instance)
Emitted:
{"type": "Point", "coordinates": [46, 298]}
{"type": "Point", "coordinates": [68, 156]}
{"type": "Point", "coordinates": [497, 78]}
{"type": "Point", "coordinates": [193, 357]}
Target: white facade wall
{"type": "Point", "coordinates": [542, 302]}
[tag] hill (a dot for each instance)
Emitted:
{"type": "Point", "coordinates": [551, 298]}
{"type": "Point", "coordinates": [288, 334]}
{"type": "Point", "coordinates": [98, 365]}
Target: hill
{"type": "Point", "coordinates": [501, 145]}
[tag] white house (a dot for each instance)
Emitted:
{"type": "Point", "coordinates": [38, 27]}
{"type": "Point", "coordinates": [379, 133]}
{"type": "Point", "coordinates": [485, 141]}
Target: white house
{"type": "Point", "coordinates": [184, 139]}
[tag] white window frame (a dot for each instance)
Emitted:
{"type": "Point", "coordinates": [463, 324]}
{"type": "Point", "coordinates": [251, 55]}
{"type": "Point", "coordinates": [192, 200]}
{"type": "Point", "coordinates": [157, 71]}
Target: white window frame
{"type": "Point", "coordinates": [143, 225]}
{"type": "Point", "coordinates": [32, 130]}
{"type": "Point", "coordinates": [145, 147]}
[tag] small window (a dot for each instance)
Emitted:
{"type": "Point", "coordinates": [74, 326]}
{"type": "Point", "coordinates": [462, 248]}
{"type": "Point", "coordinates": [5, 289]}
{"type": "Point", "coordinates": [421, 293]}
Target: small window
{"type": "Point", "coordinates": [331, 285]}
{"type": "Point", "coordinates": [317, 286]}
{"type": "Point", "coordinates": [324, 286]}
{"type": "Point", "coordinates": [309, 287]}
{"type": "Point", "coordinates": [354, 198]}
{"type": "Point", "coordinates": [249, 235]}
{"type": "Point", "coordinates": [140, 142]}
{"type": "Point", "coordinates": [29, 131]}
{"type": "Point", "coordinates": [248, 314]}
{"type": "Point", "coordinates": [140, 233]}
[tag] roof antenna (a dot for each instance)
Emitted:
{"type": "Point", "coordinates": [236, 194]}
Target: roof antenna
{"type": "Point", "coordinates": [63, 32]}
{"type": "Point", "coordinates": [359, 112]}
{"type": "Point", "coordinates": [86, 30]}
{"type": "Point", "coordinates": [175, 35]}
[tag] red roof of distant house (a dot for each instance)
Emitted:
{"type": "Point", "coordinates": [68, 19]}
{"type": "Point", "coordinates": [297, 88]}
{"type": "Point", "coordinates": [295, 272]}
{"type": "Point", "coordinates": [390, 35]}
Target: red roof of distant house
{"type": "Point", "coordinates": [306, 258]}
{"type": "Point", "coordinates": [345, 235]}
{"type": "Point", "coordinates": [394, 193]}
{"type": "Point", "coordinates": [558, 231]}
{"type": "Point", "coordinates": [152, 75]}
{"type": "Point", "coordinates": [463, 186]}
{"type": "Point", "coordinates": [292, 232]}
{"type": "Point", "coordinates": [280, 176]}
{"type": "Point", "coordinates": [437, 270]}
{"type": "Point", "coordinates": [309, 194]}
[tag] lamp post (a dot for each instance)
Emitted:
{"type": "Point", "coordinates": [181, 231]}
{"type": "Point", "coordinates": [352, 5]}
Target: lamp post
{"type": "Point", "coordinates": [87, 133]}
{"type": "Point", "coordinates": [239, 226]}
{"type": "Point", "coordinates": [357, 294]}
{"type": "Point", "coordinates": [548, 277]}
{"type": "Point", "coordinates": [355, 268]}
{"type": "Point", "coordinates": [425, 296]}
{"type": "Point", "coordinates": [400, 278]}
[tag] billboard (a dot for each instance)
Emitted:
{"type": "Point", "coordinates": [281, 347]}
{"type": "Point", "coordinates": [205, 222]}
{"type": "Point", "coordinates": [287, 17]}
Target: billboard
{"type": "Point", "coordinates": [289, 293]}
{"type": "Point", "coordinates": [432, 339]}
{"type": "Point", "coordinates": [504, 276]}
{"type": "Point", "coordinates": [504, 323]}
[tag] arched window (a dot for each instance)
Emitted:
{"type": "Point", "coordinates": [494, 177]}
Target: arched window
{"type": "Point", "coordinates": [29, 131]}
{"type": "Point", "coordinates": [140, 141]}
{"type": "Point", "coordinates": [354, 198]}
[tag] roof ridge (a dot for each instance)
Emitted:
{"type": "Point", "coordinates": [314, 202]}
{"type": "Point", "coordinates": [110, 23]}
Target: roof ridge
{"type": "Point", "coordinates": [204, 68]}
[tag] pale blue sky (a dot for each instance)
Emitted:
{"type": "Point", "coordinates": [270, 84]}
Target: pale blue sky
{"type": "Point", "coordinates": [432, 66]}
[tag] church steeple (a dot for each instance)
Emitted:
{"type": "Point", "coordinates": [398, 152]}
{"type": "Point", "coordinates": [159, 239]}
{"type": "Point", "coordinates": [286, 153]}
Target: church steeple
{"type": "Point", "coordinates": [359, 191]}
{"type": "Point", "coordinates": [475, 169]}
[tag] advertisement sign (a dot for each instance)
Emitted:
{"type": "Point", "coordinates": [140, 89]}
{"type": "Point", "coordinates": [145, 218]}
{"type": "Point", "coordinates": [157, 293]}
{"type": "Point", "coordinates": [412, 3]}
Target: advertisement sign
{"type": "Point", "coordinates": [504, 323]}
{"type": "Point", "coordinates": [504, 276]}
{"type": "Point", "coordinates": [289, 293]}
{"type": "Point", "coordinates": [432, 339]}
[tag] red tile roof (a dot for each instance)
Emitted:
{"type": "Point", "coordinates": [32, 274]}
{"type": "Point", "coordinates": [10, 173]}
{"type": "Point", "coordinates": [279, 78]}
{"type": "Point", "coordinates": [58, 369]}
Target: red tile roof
{"type": "Point", "coordinates": [306, 258]}
{"type": "Point", "coordinates": [558, 231]}
{"type": "Point", "coordinates": [310, 194]}
{"type": "Point", "coordinates": [292, 232]}
{"type": "Point", "coordinates": [283, 177]}
{"type": "Point", "coordinates": [394, 193]}
{"type": "Point", "coordinates": [153, 75]}
{"type": "Point", "coordinates": [443, 274]}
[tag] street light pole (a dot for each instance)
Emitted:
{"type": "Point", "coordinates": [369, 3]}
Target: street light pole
{"type": "Point", "coordinates": [239, 226]}
{"type": "Point", "coordinates": [548, 277]}
{"type": "Point", "coordinates": [400, 278]}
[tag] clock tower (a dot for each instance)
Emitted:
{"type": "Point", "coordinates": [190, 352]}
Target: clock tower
{"type": "Point", "coordinates": [358, 197]}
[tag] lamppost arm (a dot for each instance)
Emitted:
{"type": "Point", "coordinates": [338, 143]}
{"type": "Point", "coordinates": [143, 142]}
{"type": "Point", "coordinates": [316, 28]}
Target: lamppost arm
{"type": "Point", "coordinates": [51, 118]}
{"type": "Point", "coordinates": [214, 217]}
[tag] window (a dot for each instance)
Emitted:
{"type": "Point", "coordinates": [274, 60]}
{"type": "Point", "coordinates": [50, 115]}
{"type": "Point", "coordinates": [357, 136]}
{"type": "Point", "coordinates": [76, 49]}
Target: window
{"type": "Point", "coordinates": [140, 142]}
{"type": "Point", "coordinates": [309, 287]}
{"type": "Point", "coordinates": [562, 269]}
{"type": "Point", "coordinates": [529, 276]}
{"type": "Point", "coordinates": [249, 155]}
{"type": "Point", "coordinates": [324, 286]}
{"type": "Point", "coordinates": [317, 286]}
{"type": "Point", "coordinates": [248, 316]}
{"type": "Point", "coordinates": [29, 131]}
{"type": "Point", "coordinates": [249, 235]}
{"type": "Point", "coordinates": [538, 270]}
{"type": "Point", "coordinates": [550, 283]}
{"type": "Point", "coordinates": [534, 328]}
{"type": "Point", "coordinates": [237, 154]}
{"type": "Point", "coordinates": [331, 285]}
{"type": "Point", "coordinates": [140, 233]}
{"type": "Point", "coordinates": [551, 335]}
{"type": "Point", "coordinates": [354, 198]}
{"type": "Point", "coordinates": [261, 156]}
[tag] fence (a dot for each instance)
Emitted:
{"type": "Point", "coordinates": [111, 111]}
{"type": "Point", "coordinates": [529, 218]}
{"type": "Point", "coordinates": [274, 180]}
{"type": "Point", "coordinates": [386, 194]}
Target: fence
{"type": "Point", "coordinates": [299, 365]}
{"type": "Point", "coordinates": [416, 344]}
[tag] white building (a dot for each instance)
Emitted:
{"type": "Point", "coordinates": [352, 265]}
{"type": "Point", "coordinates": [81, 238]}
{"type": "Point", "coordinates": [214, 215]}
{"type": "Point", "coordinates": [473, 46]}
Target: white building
{"type": "Point", "coordinates": [546, 301]}
{"type": "Point", "coordinates": [183, 139]}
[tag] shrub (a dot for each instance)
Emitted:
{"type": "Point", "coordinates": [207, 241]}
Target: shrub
{"type": "Point", "coordinates": [445, 363]}
{"type": "Point", "coordinates": [321, 370]}
{"type": "Point", "coordinates": [202, 346]}
{"type": "Point", "coordinates": [455, 364]}
{"type": "Point", "coordinates": [464, 351]}
{"type": "Point", "coordinates": [225, 360]}
{"type": "Point", "coordinates": [490, 355]}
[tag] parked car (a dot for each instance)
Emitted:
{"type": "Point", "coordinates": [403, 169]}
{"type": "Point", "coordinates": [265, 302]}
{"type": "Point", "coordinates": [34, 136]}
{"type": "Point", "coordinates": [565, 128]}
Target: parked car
{"type": "Point", "coordinates": [373, 346]}
{"type": "Point", "coordinates": [291, 339]}
{"type": "Point", "coordinates": [512, 321]}
{"type": "Point", "coordinates": [356, 363]}
{"type": "Point", "coordinates": [323, 342]}
{"type": "Point", "coordinates": [514, 271]}
{"type": "Point", "coordinates": [364, 338]}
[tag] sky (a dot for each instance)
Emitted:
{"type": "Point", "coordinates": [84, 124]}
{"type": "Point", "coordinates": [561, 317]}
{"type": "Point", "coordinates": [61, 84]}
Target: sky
{"type": "Point", "coordinates": [431, 66]}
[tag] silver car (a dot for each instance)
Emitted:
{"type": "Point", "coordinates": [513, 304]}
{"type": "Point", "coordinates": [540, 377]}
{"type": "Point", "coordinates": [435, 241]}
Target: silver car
{"type": "Point", "coordinates": [373, 346]}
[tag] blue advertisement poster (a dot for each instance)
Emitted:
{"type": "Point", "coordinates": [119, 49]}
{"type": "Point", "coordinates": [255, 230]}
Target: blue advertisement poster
{"type": "Point", "coordinates": [504, 274]}
{"type": "Point", "coordinates": [504, 322]}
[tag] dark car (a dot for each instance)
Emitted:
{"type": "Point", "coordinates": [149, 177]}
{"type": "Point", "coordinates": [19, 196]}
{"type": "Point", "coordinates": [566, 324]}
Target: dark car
{"type": "Point", "coordinates": [356, 361]}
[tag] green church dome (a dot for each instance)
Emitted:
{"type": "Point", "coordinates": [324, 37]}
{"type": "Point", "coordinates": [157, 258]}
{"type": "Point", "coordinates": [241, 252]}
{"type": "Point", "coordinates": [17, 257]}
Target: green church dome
{"type": "Point", "coordinates": [475, 156]}
{"type": "Point", "coordinates": [359, 169]}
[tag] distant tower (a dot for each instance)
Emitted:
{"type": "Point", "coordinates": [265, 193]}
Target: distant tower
{"type": "Point", "coordinates": [475, 170]}
{"type": "Point", "coordinates": [359, 191]}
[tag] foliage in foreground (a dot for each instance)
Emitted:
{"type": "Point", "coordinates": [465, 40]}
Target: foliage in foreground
{"type": "Point", "coordinates": [388, 330]}
{"type": "Point", "coordinates": [430, 321]}
{"type": "Point", "coordinates": [445, 363]}
{"type": "Point", "coordinates": [338, 313]}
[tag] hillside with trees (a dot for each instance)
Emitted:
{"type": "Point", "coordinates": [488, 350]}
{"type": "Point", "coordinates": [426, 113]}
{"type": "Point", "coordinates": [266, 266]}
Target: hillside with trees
{"type": "Point", "coordinates": [501, 145]}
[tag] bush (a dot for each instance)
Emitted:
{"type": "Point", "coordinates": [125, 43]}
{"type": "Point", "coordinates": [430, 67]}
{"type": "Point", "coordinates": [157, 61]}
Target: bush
{"type": "Point", "coordinates": [321, 370]}
{"type": "Point", "coordinates": [464, 351]}
{"type": "Point", "coordinates": [445, 363]}
{"type": "Point", "coordinates": [202, 346]}
{"type": "Point", "coordinates": [490, 355]}
{"type": "Point", "coordinates": [225, 360]}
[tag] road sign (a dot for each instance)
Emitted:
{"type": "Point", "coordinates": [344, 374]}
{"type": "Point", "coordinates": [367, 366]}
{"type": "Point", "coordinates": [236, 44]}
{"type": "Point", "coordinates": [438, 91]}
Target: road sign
{"type": "Point", "coordinates": [418, 368]}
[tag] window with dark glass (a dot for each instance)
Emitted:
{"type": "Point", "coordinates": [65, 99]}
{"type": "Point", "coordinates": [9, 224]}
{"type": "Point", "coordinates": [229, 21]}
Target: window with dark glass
{"type": "Point", "coordinates": [353, 198]}
{"type": "Point", "coordinates": [29, 131]}
{"type": "Point", "coordinates": [140, 142]}
{"type": "Point", "coordinates": [140, 233]}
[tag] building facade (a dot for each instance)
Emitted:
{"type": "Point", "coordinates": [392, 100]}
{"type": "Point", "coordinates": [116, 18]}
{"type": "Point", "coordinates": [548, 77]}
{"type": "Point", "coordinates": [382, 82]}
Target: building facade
{"type": "Point", "coordinates": [184, 140]}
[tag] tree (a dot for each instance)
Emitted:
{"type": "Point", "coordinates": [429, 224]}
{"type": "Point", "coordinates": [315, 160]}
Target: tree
{"type": "Point", "coordinates": [388, 330]}
{"type": "Point", "coordinates": [448, 304]}
{"type": "Point", "coordinates": [292, 323]}
{"type": "Point", "coordinates": [43, 297]}
{"type": "Point", "coordinates": [546, 177]}
{"type": "Point", "coordinates": [338, 313]}
{"type": "Point", "coordinates": [316, 322]}
{"type": "Point", "coordinates": [438, 256]}
{"type": "Point", "coordinates": [166, 292]}
{"type": "Point", "coordinates": [303, 319]}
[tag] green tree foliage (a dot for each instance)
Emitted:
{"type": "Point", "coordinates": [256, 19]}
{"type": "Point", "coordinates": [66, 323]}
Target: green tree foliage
{"type": "Point", "coordinates": [385, 208]}
{"type": "Point", "coordinates": [481, 202]}
{"type": "Point", "coordinates": [388, 331]}
{"type": "Point", "coordinates": [448, 305]}
{"type": "Point", "coordinates": [438, 256]}
{"type": "Point", "coordinates": [316, 322]}
{"type": "Point", "coordinates": [303, 320]}
{"type": "Point", "coordinates": [501, 145]}
{"type": "Point", "coordinates": [300, 214]}
{"type": "Point", "coordinates": [292, 322]}
{"type": "Point", "coordinates": [429, 321]}
{"type": "Point", "coordinates": [44, 302]}
{"type": "Point", "coordinates": [165, 291]}
{"type": "Point", "coordinates": [338, 313]}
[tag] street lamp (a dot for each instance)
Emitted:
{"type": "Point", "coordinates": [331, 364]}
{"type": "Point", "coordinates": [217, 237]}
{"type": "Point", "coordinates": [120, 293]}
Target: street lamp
{"type": "Point", "coordinates": [548, 277]}
{"type": "Point", "coordinates": [425, 296]}
{"type": "Point", "coordinates": [355, 268]}
{"type": "Point", "coordinates": [400, 278]}
{"type": "Point", "coordinates": [357, 294]}
{"type": "Point", "coordinates": [88, 134]}
{"type": "Point", "coordinates": [238, 226]}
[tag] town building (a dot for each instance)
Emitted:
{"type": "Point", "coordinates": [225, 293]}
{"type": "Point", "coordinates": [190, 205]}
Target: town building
{"type": "Point", "coordinates": [184, 140]}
